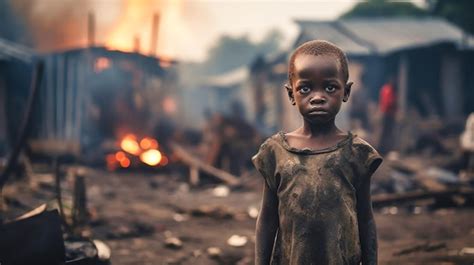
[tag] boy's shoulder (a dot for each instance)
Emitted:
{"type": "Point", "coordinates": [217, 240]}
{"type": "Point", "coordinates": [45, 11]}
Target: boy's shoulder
{"type": "Point", "coordinates": [271, 141]}
{"type": "Point", "coordinates": [366, 154]}
{"type": "Point", "coordinates": [362, 145]}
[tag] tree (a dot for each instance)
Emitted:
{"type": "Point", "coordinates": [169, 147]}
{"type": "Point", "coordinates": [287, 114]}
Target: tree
{"type": "Point", "coordinates": [383, 8]}
{"type": "Point", "coordinates": [458, 12]}
{"type": "Point", "coordinates": [232, 52]}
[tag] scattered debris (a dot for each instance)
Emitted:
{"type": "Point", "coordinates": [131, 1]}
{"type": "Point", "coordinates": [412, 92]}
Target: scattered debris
{"type": "Point", "coordinates": [218, 212]}
{"type": "Point", "coordinates": [173, 243]}
{"type": "Point", "coordinates": [253, 212]}
{"type": "Point", "coordinates": [221, 191]}
{"type": "Point", "coordinates": [197, 253]}
{"type": "Point", "coordinates": [426, 247]}
{"type": "Point", "coordinates": [103, 251]}
{"type": "Point", "coordinates": [214, 252]}
{"type": "Point", "coordinates": [380, 200]}
{"type": "Point", "coordinates": [467, 251]}
{"type": "Point", "coordinates": [237, 241]}
{"type": "Point", "coordinates": [180, 217]}
{"type": "Point", "coordinates": [80, 250]}
{"type": "Point", "coordinates": [135, 229]}
{"type": "Point", "coordinates": [196, 164]}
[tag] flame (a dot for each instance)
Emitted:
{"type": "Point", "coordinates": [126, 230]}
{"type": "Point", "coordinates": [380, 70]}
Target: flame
{"type": "Point", "coordinates": [148, 143]}
{"type": "Point", "coordinates": [121, 37]}
{"type": "Point", "coordinates": [151, 157]}
{"type": "Point", "coordinates": [135, 22]}
{"type": "Point", "coordinates": [164, 161]}
{"type": "Point", "coordinates": [125, 162]}
{"type": "Point", "coordinates": [146, 149]}
{"type": "Point", "coordinates": [130, 145]}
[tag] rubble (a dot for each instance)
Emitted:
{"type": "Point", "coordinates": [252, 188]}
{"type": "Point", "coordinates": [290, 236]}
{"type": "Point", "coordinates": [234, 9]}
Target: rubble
{"type": "Point", "coordinates": [173, 243]}
{"type": "Point", "coordinates": [426, 247]}
{"type": "Point", "coordinates": [221, 191]}
{"type": "Point", "coordinates": [218, 212]}
{"type": "Point", "coordinates": [237, 241]}
{"type": "Point", "coordinates": [103, 251]}
{"type": "Point", "coordinates": [253, 212]}
{"type": "Point", "coordinates": [214, 252]}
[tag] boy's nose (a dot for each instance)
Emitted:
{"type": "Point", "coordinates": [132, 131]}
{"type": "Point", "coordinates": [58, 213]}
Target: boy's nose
{"type": "Point", "coordinates": [317, 99]}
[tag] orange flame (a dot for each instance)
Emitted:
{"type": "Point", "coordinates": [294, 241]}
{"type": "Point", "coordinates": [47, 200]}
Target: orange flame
{"type": "Point", "coordinates": [130, 145]}
{"type": "Point", "coordinates": [151, 157]}
{"type": "Point", "coordinates": [146, 149]}
{"type": "Point", "coordinates": [135, 22]}
{"type": "Point", "coordinates": [148, 143]}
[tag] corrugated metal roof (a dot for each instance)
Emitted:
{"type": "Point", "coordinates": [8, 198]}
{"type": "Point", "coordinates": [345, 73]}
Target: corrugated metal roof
{"type": "Point", "coordinates": [386, 35]}
{"type": "Point", "coordinates": [11, 50]}
{"type": "Point", "coordinates": [328, 30]}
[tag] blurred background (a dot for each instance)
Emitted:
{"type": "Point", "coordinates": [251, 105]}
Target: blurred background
{"type": "Point", "coordinates": [137, 120]}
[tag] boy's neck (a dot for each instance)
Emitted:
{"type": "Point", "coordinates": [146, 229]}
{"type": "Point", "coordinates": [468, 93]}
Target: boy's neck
{"type": "Point", "coordinates": [315, 136]}
{"type": "Point", "coordinates": [312, 130]}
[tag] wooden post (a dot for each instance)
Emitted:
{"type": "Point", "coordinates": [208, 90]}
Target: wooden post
{"type": "Point", "coordinates": [79, 214]}
{"type": "Point", "coordinates": [403, 71]}
{"type": "Point", "coordinates": [136, 44]}
{"type": "Point", "coordinates": [154, 34]}
{"type": "Point", "coordinates": [57, 178]}
{"type": "Point", "coordinates": [194, 175]}
{"type": "Point", "coordinates": [91, 29]}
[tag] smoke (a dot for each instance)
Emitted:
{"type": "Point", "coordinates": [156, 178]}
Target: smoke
{"type": "Point", "coordinates": [53, 25]}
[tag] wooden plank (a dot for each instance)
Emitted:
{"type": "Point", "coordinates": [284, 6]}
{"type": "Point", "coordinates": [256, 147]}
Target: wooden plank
{"type": "Point", "coordinates": [381, 200]}
{"type": "Point", "coordinates": [192, 161]}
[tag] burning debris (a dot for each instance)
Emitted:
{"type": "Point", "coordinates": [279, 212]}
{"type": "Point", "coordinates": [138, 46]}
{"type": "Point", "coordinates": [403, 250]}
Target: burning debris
{"type": "Point", "coordinates": [135, 152]}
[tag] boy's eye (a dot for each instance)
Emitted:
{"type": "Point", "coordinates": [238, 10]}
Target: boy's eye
{"type": "Point", "coordinates": [330, 88]}
{"type": "Point", "coordinates": [305, 90]}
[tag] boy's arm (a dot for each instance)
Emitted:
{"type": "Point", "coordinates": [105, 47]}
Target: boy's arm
{"type": "Point", "coordinates": [367, 230]}
{"type": "Point", "coordinates": [267, 225]}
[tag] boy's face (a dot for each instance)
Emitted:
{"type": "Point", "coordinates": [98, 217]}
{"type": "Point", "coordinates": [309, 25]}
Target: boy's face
{"type": "Point", "coordinates": [318, 88]}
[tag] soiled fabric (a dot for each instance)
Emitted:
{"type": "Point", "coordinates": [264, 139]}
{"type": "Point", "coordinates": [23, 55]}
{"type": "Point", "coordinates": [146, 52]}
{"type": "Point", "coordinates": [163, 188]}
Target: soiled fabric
{"type": "Point", "coordinates": [316, 192]}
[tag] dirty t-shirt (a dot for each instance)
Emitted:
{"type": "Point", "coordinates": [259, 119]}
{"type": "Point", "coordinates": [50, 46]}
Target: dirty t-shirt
{"type": "Point", "coordinates": [316, 192]}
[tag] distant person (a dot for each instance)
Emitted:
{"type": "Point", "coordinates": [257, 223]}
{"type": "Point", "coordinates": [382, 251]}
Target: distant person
{"type": "Point", "coordinates": [388, 108]}
{"type": "Point", "coordinates": [316, 206]}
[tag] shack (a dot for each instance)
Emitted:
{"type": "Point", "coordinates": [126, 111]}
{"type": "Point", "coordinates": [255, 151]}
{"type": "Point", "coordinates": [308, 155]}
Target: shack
{"type": "Point", "coordinates": [429, 57]}
{"type": "Point", "coordinates": [95, 94]}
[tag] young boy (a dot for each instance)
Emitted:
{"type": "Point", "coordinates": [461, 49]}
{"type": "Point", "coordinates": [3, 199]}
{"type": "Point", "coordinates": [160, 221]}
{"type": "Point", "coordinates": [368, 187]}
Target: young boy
{"type": "Point", "coordinates": [316, 206]}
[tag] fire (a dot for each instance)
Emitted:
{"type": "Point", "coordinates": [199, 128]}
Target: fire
{"type": "Point", "coordinates": [135, 23]}
{"type": "Point", "coordinates": [133, 19]}
{"type": "Point", "coordinates": [135, 150]}
{"type": "Point", "coordinates": [130, 145]}
{"type": "Point", "coordinates": [148, 143]}
{"type": "Point", "coordinates": [151, 157]}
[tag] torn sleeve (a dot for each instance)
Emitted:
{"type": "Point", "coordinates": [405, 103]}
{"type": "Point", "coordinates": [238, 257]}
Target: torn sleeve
{"type": "Point", "coordinates": [264, 162]}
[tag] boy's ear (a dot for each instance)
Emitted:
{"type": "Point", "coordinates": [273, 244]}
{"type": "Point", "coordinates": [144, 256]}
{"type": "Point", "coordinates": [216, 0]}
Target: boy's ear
{"type": "Point", "coordinates": [347, 91]}
{"type": "Point", "coordinates": [289, 90]}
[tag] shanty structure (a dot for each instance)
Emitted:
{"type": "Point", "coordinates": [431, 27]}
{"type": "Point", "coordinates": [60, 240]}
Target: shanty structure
{"type": "Point", "coordinates": [93, 94]}
{"type": "Point", "coordinates": [429, 58]}
{"type": "Point", "coordinates": [15, 73]}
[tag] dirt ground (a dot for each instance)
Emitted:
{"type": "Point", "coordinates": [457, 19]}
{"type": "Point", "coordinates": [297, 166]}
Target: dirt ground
{"type": "Point", "coordinates": [154, 200]}
{"type": "Point", "coordinates": [134, 213]}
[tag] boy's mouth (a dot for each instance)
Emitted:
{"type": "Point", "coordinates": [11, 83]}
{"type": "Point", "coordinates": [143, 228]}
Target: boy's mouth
{"type": "Point", "coordinates": [318, 111]}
